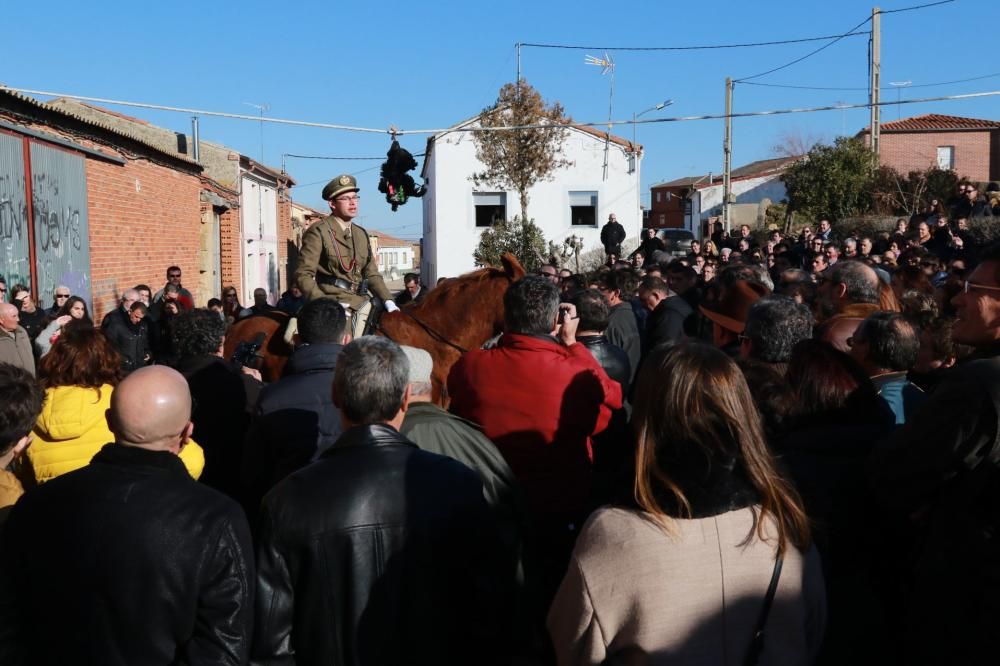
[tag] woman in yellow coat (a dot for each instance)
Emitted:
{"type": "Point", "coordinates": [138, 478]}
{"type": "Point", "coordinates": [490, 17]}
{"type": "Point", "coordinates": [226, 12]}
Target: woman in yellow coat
{"type": "Point", "coordinates": [79, 375]}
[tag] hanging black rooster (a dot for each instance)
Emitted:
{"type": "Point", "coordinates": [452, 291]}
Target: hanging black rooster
{"type": "Point", "coordinates": [396, 183]}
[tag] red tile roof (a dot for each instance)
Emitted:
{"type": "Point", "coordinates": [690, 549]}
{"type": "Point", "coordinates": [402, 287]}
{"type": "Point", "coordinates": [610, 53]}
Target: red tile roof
{"type": "Point", "coordinates": [385, 240]}
{"type": "Point", "coordinates": [934, 121]}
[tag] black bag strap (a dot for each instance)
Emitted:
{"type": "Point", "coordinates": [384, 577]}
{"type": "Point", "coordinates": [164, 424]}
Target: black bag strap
{"type": "Point", "coordinates": [757, 643]}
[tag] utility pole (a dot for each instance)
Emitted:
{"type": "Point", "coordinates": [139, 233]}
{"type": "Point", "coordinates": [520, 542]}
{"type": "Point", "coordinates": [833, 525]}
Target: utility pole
{"type": "Point", "coordinates": [517, 48]}
{"type": "Point", "coordinates": [875, 80]}
{"type": "Point", "coordinates": [727, 157]}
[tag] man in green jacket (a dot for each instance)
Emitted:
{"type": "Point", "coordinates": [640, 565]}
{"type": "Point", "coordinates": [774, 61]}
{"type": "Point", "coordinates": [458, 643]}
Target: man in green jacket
{"type": "Point", "coordinates": [336, 259]}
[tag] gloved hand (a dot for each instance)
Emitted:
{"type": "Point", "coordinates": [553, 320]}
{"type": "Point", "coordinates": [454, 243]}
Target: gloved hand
{"type": "Point", "coordinates": [391, 307]}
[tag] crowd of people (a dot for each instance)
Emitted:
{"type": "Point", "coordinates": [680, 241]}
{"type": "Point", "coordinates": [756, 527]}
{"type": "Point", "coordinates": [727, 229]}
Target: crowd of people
{"type": "Point", "coordinates": [763, 451]}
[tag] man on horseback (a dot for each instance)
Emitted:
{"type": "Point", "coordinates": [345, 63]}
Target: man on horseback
{"type": "Point", "coordinates": [336, 260]}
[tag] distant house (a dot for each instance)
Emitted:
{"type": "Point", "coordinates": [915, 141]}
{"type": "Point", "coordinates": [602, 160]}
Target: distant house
{"type": "Point", "coordinates": [577, 201]}
{"type": "Point", "coordinates": [395, 256]}
{"type": "Point", "coordinates": [969, 146]}
{"type": "Point", "coordinates": [686, 203]}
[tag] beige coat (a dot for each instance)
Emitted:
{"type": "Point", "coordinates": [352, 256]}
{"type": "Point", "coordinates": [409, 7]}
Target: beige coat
{"type": "Point", "coordinates": [15, 348]}
{"type": "Point", "coordinates": [692, 598]}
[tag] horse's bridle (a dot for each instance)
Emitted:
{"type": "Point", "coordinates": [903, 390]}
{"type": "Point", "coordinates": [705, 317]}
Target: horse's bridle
{"type": "Point", "coordinates": [435, 335]}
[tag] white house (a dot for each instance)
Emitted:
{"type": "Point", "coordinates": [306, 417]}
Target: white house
{"type": "Point", "coordinates": [688, 202]}
{"type": "Point", "coordinates": [577, 201]}
{"type": "Point", "coordinates": [394, 256]}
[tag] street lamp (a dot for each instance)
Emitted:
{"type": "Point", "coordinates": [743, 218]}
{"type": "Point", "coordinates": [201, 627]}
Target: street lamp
{"type": "Point", "coordinates": [899, 85]}
{"type": "Point", "coordinates": [635, 116]}
{"type": "Point", "coordinates": [635, 155]}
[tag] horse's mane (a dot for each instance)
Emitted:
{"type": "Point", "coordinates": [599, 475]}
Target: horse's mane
{"type": "Point", "coordinates": [451, 287]}
{"type": "Point", "coordinates": [277, 316]}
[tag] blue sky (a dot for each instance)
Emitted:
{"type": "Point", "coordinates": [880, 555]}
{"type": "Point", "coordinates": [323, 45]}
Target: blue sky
{"type": "Point", "coordinates": [431, 64]}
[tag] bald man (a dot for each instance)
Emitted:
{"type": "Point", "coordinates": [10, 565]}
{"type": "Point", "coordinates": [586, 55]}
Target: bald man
{"type": "Point", "coordinates": [129, 560]}
{"type": "Point", "coordinates": [15, 345]}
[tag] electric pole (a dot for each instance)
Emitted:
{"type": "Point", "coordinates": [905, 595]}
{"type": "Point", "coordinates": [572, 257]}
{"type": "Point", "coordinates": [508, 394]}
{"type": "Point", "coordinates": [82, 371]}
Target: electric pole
{"type": "Point", "coordinates": [727, 157]}
{"type": "Point", "coordinates": [875, 81]}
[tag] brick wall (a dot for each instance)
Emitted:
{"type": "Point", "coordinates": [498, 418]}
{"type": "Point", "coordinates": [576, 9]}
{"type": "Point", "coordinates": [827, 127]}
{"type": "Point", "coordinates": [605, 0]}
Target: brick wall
{"type": "Point", "coordinates": [143, 218]}
{"type": "Point", "coordinates": [229, 244]}
{"type": "Point", "coordinates": [916, 151]}
{"type": "Point", "coordinates": [285, 271]}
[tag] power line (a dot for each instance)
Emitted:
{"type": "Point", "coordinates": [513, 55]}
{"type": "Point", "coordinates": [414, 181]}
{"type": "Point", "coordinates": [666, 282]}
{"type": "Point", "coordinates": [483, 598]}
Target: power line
{"type": "Point", "coordinates": [838, 38]}
{"type": "Point", "coordinates": [921, 85]}
{"type": "Point", "coordinates": [808, 55]}
{"type": "Point", "coordinates": [910, 9]}
{"type": "Point", "coordinates": [326, 157]}
{"type": "Point", "coordinates": [599, 123]}
{"type": "Point", "coordinates": [703, 47]}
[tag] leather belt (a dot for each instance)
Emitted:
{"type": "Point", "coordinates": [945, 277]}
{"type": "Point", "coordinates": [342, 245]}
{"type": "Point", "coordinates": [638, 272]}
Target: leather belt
{"type": "Point", "coordinates": [337, 282]}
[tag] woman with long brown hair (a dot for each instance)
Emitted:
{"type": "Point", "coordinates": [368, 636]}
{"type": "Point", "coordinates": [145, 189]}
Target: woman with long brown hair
{"type": "Point", "coordinates": [79, 375]}
{"type": "Point", "coordinates": [682, 576]}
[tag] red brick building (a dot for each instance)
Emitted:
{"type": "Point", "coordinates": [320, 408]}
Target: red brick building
{"type": "Point", "coordinates": [86, 205]}
{"type": "Point", "coordinates": [969, 146]}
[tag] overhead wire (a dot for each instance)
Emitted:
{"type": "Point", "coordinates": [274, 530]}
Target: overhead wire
{"type": "Point", "coordinates": [836, 39]}
{"type": "Point", "coordinates": [571, 124]}
{"type": "Point", "coordinates": [703, 47]}
{"type": "Point", "coordinates": [808, 55]}
{"type": "Point", "coordinates": [919, 85]}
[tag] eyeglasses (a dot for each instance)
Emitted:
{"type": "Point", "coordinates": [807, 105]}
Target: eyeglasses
{"type": "Point", "coordinates": [62, 295]}
{"type": "Point", "coordinates": [969, 286]}
{"type": "Point", "coordinates": [356, 197]}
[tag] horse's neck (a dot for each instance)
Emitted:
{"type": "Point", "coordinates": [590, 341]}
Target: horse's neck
{"type": "Point", "coordinates": [468, 322]}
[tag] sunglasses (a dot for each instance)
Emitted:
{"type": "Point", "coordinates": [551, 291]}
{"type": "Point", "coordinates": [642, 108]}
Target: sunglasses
{"type": "Point", "coordinates": [62, 295]}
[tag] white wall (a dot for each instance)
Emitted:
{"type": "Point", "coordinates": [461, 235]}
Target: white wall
{"type": "Point", "coordinates": [450, 232]}
{"type": "Point", "coordinates": [400, 258]}
{"type": "Point", "coordinates": [751, 190]}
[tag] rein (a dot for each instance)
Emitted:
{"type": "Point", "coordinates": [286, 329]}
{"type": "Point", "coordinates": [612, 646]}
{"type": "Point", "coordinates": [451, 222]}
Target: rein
{"type": "Point", "coordinates": [428, 330]}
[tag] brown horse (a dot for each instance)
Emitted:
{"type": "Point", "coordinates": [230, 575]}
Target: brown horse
{"type": "Point", "coordinates": [274, 351]}
{"type": "Point", "coordinates": [460, 314]}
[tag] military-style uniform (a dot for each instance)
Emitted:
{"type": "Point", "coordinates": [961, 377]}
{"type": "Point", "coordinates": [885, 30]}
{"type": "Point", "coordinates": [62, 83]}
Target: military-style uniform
{"type": "Point", "coordinates": [334, 259]}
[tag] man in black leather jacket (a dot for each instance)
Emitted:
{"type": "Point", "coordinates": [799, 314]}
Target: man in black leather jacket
{"type": "Point", "coordinates": [378, 552]}
{"type": "Point", "coordinates": [129, 560]}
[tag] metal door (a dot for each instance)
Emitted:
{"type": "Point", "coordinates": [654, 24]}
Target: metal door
{"type": "Point", "coordinates": [15, 266]}
{"type": "Point", "coordinates": [59, 204]}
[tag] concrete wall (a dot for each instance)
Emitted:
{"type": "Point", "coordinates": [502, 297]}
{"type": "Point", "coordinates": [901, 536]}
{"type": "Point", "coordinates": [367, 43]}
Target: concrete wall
{"type": "Point", "coordinates": [450, 233]}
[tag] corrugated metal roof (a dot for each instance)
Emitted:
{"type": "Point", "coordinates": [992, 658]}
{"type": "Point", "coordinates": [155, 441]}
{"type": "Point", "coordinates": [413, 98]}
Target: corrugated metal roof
{"type": "Point", "coordinates": [934, 121]}
{"type": "Point", "coordinates": [102, 126]}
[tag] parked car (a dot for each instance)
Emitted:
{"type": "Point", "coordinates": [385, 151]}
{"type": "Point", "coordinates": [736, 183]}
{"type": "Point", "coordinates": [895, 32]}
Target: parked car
{"type": "Point", "coordinates": [677, 242]}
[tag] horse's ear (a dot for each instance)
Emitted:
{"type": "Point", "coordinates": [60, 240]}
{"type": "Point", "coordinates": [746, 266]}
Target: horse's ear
{"type": "Point", "coordinates": [512, 267]}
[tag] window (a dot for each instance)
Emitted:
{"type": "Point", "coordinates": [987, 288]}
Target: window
{"type": "Point", "coordinates": [946, 157]}
{"type": "Point", "coordinates": [583, 209]}
{"type": "Point", "coordinates": [491, 207]}
{"type": "Point", "coordinates": [657, 197]}
{"type": "Point", "coordinates": [663, 219]}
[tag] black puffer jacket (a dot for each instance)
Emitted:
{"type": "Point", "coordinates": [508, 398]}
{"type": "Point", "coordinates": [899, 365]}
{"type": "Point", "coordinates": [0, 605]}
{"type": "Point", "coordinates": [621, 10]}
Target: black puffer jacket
{"type": "Point", "coordinates": [224, 398]}
{"type": "Point", "coordinates": [131, 340]}
{"type": "Point", "coordinates": [295, 421]}
{"type": "Point", "coordinates": [126, 561]}
{"type": "Point", "coordinates": [377, 553]}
